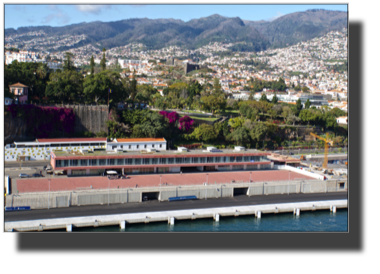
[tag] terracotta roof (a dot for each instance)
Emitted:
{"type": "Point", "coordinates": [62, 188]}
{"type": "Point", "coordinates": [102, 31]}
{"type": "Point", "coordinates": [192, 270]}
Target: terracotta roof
{"type": "Point", "coordinates": [141, 140]}
{"type": "Point", "coordinates": [18, 85]}
{"type": "Point", "coordinates": [63, 140]}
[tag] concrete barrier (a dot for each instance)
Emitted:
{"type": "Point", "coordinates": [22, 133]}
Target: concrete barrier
{"type": "Point", "coordinates": [114, 196]}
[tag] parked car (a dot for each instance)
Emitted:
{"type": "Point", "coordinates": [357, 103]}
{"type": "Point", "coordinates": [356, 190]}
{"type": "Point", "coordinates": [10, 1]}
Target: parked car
{"type": "Point", "coordinates": [124, 177]}
{"type": "Point", "coordinates": [23, 175]}
{"type": "Point", "coordinates": [37, 175]}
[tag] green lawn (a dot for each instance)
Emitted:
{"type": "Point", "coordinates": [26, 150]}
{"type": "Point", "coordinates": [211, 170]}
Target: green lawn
{"type": "Point", "coordinates": [203, 118]}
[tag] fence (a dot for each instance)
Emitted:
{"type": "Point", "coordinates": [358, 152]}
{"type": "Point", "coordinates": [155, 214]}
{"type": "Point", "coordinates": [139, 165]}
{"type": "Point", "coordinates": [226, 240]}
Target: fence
{"type": "Point", "coordinates": [163, 193]}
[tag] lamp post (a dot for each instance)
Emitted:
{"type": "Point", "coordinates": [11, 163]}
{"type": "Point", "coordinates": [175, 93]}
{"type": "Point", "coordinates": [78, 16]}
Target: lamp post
{"type": "Point", "coordinates": [108, 190]}
{"type": "Point", "coordinates": [250, 177]}
{"type": "Point", "coordinates": [206, 185]}
{"type": "Point", "coordinates": [49, 196]}
{"type": "Point", "coordinates": [159, 200]}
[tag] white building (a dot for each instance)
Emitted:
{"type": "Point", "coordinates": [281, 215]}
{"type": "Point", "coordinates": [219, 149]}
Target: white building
{"type": "Point", "coordinates": [137, 144]}
{"type": "Point", "coordinates": [342, 120]}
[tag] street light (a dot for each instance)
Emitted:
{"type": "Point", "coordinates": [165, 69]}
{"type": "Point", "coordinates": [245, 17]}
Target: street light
{"type": "Point", "coordinates": [159, 200]}
{"type": "Point", "coordinates": [108, 190]}
{"type": "Point", "coordinates": [49, 196]}
{"type": "Point", "coordinates": [250, 176]}
{"type": "Point", "coordinates": [206, 185]}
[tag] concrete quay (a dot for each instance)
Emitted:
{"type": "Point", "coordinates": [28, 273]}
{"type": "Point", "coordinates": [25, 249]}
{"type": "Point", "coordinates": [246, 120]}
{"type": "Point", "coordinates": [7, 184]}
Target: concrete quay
{"type": "Point", "coordinates": [170, 216]}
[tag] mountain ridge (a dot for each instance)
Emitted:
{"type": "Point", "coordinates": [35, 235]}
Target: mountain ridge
{"type": "Point", "coordinates": [157, 33]}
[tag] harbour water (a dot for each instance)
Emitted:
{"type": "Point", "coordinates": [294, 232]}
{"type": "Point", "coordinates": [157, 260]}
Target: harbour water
{"type": "Point", "coordinates": [317, 221]}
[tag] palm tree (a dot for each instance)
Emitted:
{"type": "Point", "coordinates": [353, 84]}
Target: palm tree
{"type": "Point", "coordinates": [41, 71]}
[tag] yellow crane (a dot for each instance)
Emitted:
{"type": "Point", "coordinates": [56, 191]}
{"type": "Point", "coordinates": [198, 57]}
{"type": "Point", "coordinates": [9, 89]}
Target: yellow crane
{"type": "Point", "coordinates": [327, 143]}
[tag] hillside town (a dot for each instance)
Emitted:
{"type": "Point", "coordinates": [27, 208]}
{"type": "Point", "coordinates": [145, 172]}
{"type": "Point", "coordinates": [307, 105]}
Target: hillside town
{"type": "Point", "coordinates": [306, 64]}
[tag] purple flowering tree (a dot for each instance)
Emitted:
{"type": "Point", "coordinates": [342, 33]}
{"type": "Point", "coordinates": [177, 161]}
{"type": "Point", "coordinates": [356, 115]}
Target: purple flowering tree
{"type": "Point", "coordinates": [171, 116]}
{"type": "Point", "coordinates": [185, 123]}
{"type": "Point", "coordinates": [43, 122]}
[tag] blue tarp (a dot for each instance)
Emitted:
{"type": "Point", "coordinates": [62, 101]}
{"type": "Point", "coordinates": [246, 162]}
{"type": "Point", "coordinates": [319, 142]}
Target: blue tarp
{"type": "Point", "coordinates": [181, 198]}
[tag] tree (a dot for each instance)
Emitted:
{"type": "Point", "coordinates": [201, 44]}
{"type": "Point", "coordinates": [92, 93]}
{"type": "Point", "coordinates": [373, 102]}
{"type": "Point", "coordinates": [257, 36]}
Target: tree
{"type": "Point", "coordinates": [205, 133]}
{"type": "Point", "coordinates": [68, 63]}
{"type": "Point", "coordinates": [65, 86]}
{"type": "Point", "coordinates": [214, 102]}
{"type": "Point", "coordinates": [217, 87]}
{"type": "Point", "coordinates": [274, 99]}
{"type": "Point", "coordinates": [258, 132]}
{"type": "Point", "coordinates": [297, 88]}
{"type": "Point", "coordinates": [293, 118]}
{"type": "Point", "coordinates": [298, 106]}
{"type": "Point", "coordinates": [236, 122]}
{"type": "Point", "coordinates": [240, 135]}
{"type": "Point", "coordinates": [97, 86]}
{"type": "Point", "coordinates": [307, 104]}
{"type": "Point", "coordinates": [305, 89]}
{"type": "Point", "coordinates": [103, 62]}
{"type": "Point", "coordinates": [92, 64]}
{"type": "Point", "coordinates": [263, 98]}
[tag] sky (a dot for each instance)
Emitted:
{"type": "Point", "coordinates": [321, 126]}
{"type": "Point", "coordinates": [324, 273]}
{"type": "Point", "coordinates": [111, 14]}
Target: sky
{"type": "Point", "coordinates": [61, 15]}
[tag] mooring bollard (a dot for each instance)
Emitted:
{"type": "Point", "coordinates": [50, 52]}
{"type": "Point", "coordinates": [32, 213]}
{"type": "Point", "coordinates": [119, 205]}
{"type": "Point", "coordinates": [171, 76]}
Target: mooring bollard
{"type": "Point", "coordinates": [171, 220]}
{"type": "Point", "coordinates": [216, 217]}
{"type": "Point", "coordinates": [122, 224]}
{"type": "Point", "coordinates": [258, 214]}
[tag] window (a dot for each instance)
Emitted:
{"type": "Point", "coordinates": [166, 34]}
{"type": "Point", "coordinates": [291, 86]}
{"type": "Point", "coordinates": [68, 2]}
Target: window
{"type": "Point", "coordinates": [120, 162]}
{"type": "Point", "coordinates": [65, 162]}
{"type": "Point", "coordinates": [111, 162]}
{"type": "Point", "coordinates": [58, 163]}
{"type": "Point", "coordinates": [146, 161]}
{"type": "Point", "coordinates": [186, 160]}
{"type": "Point", "coordinates": [154, 161]}
{"type": "Point", "coordinates": [153, 145]}
{"type": "Point", "coordinates": [170, 160]}
{"type": "Point", "coordinates": [178, 160]}
{"type": "Point", "coordinates": [93, 162]}
{"type": "Point", "coordinates": [138, 146]}
{"type": "Point", "coordinates": [129, 146]}
{"type": "Point", "coordinates": [160, 145]}
{"type": "Point", "coordinates": [137, 161]}
{"type": "Point", "coordinates": [74, 162]}
{"type": "Point", "coordinates": [102, 162]}
{"type": "Point", "coordinates": [202, 159]}
{"type": "Point", "coordinates": [217, 159]}
{"type": "Point", "coordinates": [195, 160]}
{"type": "Point", "coordinates": [162, 161]}
{"type": "Point", "coordinates": [144, 146]}
{"type": "Point", "coordinates": [113, 147]}
{"type": "Point", "coordinates": [128, 161]}
{"type": "Point", "coordinates": [210, 159]}
{"type": "Point", "coordinates": [246, 158]}
{"type": "Point", "coordinates": [83, 162]}
{"type": "Point", "coordinates": [239, 159]}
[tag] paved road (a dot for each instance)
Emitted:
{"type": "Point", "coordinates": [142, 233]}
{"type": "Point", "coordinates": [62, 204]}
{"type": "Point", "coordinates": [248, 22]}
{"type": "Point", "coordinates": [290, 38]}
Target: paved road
{"type": "Point", "coordinates": [164, 206]}
{"type": "Point", "coordinates": [38, 164]}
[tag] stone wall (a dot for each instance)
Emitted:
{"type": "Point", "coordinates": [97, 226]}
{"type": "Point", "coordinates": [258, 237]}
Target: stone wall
{"type": "Point", "coordinates": [87, 118]}
{"type": "Point", "coordinates": [90, 118]}
{"type": "Point", "coordinates": [15, 130]}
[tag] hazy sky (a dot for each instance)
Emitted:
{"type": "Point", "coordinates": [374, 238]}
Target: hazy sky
{"type": "Point", "coordinates": [61, 15]}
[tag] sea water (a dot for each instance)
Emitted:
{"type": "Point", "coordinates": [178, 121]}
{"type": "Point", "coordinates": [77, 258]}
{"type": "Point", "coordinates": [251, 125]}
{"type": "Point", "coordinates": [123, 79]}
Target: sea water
{"type": "Point", "coordinates": [308, 221]}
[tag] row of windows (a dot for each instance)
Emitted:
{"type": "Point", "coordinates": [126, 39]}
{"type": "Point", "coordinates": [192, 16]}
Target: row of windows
{"type": "Point", "coordinates": [137, 146]}
{"type": "Point", "coordinates": [159, 161]}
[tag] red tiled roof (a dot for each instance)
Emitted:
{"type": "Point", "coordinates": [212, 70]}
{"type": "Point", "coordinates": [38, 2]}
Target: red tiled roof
{"type": "Point", "coordinates": [62, 140]}
{"type": "Point", "coordinates": [140, 140]}
{"type": "Point", "coordinates": [18, 85]}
